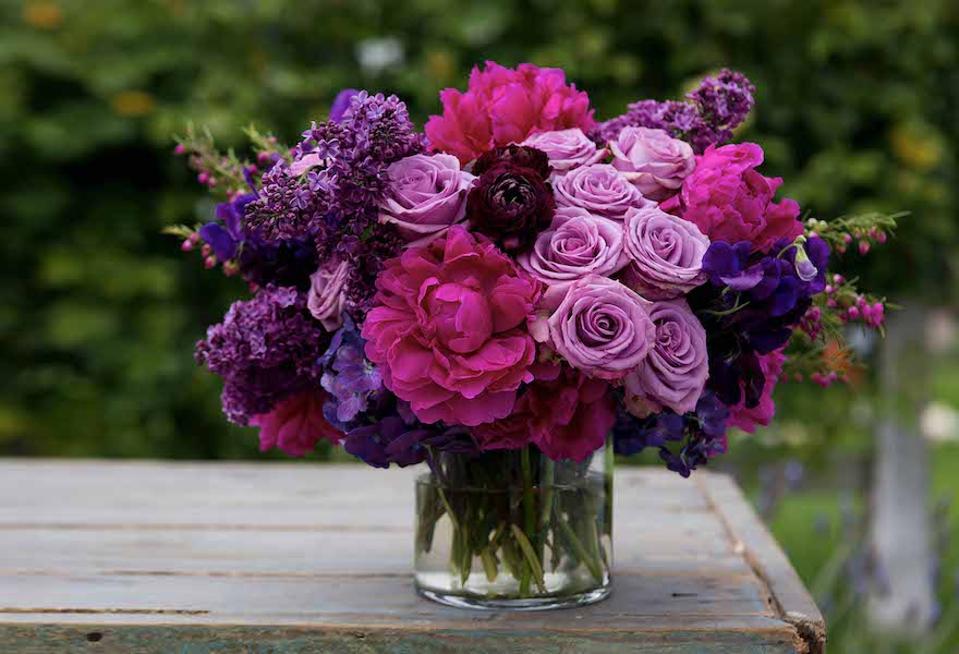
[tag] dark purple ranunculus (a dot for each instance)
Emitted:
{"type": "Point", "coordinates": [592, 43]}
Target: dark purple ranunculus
{"type": "Point", "coordinates": [511, 204]}
{"type": "Point", "coordinates": [523, 156]}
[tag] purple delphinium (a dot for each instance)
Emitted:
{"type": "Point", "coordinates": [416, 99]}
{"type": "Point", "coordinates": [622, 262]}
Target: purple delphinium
{"type": "Point", "coordinates": [265, 349]}
{"type": "Point", "coordinates": [708, 116]}
{"type": "Point", "coordinates": [684, 441]}
{"type": "Point", "coordinates": [349, 378]}
{"type": "Point", "coordinates": [392, 440]}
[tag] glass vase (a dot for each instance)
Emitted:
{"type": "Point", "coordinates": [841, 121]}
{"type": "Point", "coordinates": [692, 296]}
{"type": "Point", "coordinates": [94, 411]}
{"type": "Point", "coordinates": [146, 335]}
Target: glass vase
{"type": "Point", "coordinates": [514, 530]}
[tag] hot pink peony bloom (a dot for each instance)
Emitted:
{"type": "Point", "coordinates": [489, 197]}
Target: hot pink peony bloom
{"type": "Point", "coordinates": [762, 414]}
{"type": "Point", "coordinates": [449, 329]}
{"type": "Point", "coordinates": [565, 413]}
{"type": "Point", "coordinates": [503, 106]}
{"type": "Point", "coordinates": [730, 201]}
{"type": "Point", "coordinates": [296, 424]}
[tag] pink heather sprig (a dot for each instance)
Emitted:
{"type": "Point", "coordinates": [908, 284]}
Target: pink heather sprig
{"type": "Point", "coordinates": [863, 231]}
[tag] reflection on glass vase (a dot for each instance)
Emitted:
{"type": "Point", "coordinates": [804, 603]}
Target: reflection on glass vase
{"type": "Point", "coordinates": [514, 530]}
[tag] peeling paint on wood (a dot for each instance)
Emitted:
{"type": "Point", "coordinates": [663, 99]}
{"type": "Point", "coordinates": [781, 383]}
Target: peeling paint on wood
{"type": "Point", "coordinates": [197, 558]}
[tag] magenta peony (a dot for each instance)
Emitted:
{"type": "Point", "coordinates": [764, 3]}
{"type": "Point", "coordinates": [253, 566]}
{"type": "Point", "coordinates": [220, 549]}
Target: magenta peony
{"type": "Point", "coordinates": [326, 297]}
{"type": "Point", "coordinates": [602, 328]}
{"type": "Point", "coordinates": [762, 414]}
{"type": "Point", "coordinates": [730, 201]}
{"type": "Point", "coordinates": [448, 329]}
{"type": "Point", "coordinates": [652, 160]}
{"type": "Point", "coordinates": [576, 244]}
{"type": "Point", "coordinates": [565, 413]}
{"type": "Point", "coordinates": [600, 189]}
{"type": "Point", "coordinates": [296, 424]}
{"type": "Point", "coordinates": [502, 106]}
{"type": "Point", "coordinates": [426, 195]}
{"type": "Point", "coordinates": [566, 149]}
{"type": "Point", "coordinates": [674, 374]}
{"type": "Point", "coordinates": [665, 254]}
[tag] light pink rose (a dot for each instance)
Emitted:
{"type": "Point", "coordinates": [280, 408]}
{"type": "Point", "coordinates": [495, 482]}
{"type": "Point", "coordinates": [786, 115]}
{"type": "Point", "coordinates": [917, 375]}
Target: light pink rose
{"type": "Point", "coordinates": [326, 297]}
{"type": "Point", "coordinates": [602, 328]}
{"type": "Point", "coordinates": [576, 244]}
{"type": "Point", "coordinates": [600, 189]}
{"type": "Point", "coordinates": [652, 160]}
{"type": "Point", "coordinates": [674, 374]}
{"type": "Point", "coordinates": [665, 254]}
{"type": "Point", "coordinates": [566, 149]}
{"type": "Point", "coordinates": [426, 195]}
{"type": "Point", "coordinates": [449, 329]}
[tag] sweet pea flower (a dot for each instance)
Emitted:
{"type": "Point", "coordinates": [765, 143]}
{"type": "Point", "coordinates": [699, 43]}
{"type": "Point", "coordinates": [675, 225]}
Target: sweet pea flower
{"type": "Point", "coordinates": [426, 194]}
{"type": "Point", "coordinates": [652, 160]}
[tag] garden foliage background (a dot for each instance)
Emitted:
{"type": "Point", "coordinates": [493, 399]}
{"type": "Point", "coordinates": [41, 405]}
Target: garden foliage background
{"type": "Point", "coordinates": [857, 109]}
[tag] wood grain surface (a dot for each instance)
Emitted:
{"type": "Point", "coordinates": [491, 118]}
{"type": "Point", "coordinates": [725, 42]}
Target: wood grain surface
{"type": "Point", "coordinates": [194, 557]}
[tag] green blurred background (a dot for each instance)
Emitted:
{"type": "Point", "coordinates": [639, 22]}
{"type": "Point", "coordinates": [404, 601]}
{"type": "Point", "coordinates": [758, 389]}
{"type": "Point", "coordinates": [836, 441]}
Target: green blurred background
{"type": "Point", "coordinates": [857, 107]}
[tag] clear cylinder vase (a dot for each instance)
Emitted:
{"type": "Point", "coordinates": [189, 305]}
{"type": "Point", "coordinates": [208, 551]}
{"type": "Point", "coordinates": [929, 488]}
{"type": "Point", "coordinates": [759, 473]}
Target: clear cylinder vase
{"type": "Point", "coordinates": [514, 530]}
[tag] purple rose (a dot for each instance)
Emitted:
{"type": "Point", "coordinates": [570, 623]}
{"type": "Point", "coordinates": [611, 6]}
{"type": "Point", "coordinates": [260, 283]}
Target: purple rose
{"type": "Point", "coordinates": [602, 328]}
{"type": "Point", "coordinates": [665, 253]}
{"type": "Point", "coordinates": [652, 160]}
{"type": "Point", "coordinates": [576, 244]}
{"type": "Point", "coordinates": [427, 194]}
{"type": "Point", "coordinates": [566, 149]}
{"type": "Point", "coordinates": [674, 374]}
{"type": "Point", "coordinates": [326, 296]}
{"type": "Point", "coordinates": [600, 189]}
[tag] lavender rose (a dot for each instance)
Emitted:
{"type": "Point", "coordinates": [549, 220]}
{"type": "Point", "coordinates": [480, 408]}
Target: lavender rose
{"type": "Point", "coordinates": [566, 149]}
{"type": "Point", "coordinates": [665, 253]}
{"type": "Point", "coordinates": [326, 296]}
{"type": "Point", "coordinates": [602, 328]}
{"type": "Point", "coordinates": [426, 194]}
{"type": "Point", "coordinates": [674, 374]}
{"type": "Point", "coordinates": [600, 189]}
{"type": "Point", "coordinates": [652, 160]}
{"type": "Point", "coordinates": [576, 244]}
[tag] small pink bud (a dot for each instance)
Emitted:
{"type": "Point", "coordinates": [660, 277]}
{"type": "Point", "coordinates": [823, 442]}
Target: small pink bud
{"type": "Point", "coordinates": [841, 249]}
{"type": "Point", "coordinates": [209, 262]}
{"type": "Point", "coordinates": [186, 245]}
{"type": "Point", "coordinates": [829, 289]}
{"type": "Point", "coordinates": [813, 235]}
{"type": "Point", "coordinates": [831, 303]}
{"type": "Point", "coordinates": [195, 237]}
{"type": "Point", "coordinates": [206, 250]}
{"type": "Point", "coordinates": [262, 157]}
{"type": "Point", "coordinates": [230, 268]}
{"type": "Point", "coordinates": [847, 238]}
{"type": "Point", "coordinates": [863, 247]}
{"type": "Point", "coordinates": [838, 279]}
{"type": "Point", "coordinates": [798, 377]}
{"type": "Point", "coordinates": [252, 169]}
{"type": "Point", "coordinates": [853, 313]}
{"type": "Point", "coordinates": [881, 237]}
{"type": "Point", "coordinates": [211, 182]}
{"type": "Point", "coordinates": [180, 149]}
{"type": "Point", "coordinates": [203, 177]}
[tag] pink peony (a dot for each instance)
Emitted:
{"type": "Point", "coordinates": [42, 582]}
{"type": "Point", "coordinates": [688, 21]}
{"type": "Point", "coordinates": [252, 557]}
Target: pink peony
{"type": "Point", "coordinates": [503, 106]}
{"type": "Point", "coordinates": [426, 195]}
{"type": "Point", "coordinates": [564, 412]}
{"type": "Point", "coordinates": [674, 374]}
{"type": "Point", "coordinates": [762, 414]}
{"type": "Point", "coordinates": [652, 160]}
{"type": "Point", "coordinates": [296, 424]}
{"type": "Point", "coordinates": [448, 329]}
{"type": "Point", "coordinates": [566, 149]}
{"type": "Point", "coordinates": [730, 201]}
{"type": "Point", "coordinates": [326, 297]}
{"type": "Point", "coordinates": [602, 328]}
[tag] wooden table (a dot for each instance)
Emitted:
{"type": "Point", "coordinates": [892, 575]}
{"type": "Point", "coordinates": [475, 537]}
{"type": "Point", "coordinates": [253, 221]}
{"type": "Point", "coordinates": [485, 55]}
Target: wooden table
{"type": "Point", "coordinates": [197, 557]}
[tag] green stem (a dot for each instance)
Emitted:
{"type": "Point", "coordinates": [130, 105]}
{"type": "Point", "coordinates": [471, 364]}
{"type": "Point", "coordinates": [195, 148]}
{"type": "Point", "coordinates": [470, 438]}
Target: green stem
{"type": "Point", "coordinates": [529, 519]}
{"type": "Point", "coordinates": [594, 566]}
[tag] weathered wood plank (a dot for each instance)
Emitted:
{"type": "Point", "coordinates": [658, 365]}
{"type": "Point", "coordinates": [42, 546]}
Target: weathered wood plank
{"type": "Point", "coordinates": [289, 558]}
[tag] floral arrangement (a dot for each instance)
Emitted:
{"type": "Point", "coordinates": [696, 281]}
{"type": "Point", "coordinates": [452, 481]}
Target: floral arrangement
{"type": "Point", "coordinates": [519, 274]}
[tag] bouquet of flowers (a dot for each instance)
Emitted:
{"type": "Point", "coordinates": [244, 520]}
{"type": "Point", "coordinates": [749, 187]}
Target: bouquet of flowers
{"type": "Point", "coordinates": [501, 293]}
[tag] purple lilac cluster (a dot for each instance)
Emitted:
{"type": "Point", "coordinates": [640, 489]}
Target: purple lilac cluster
{"type": "Point", "coordinates": [266, 349]}
{"type": "Point", "coordinates": [684, 441]}
{"type": "Point", "coordinates": [708, 116]}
